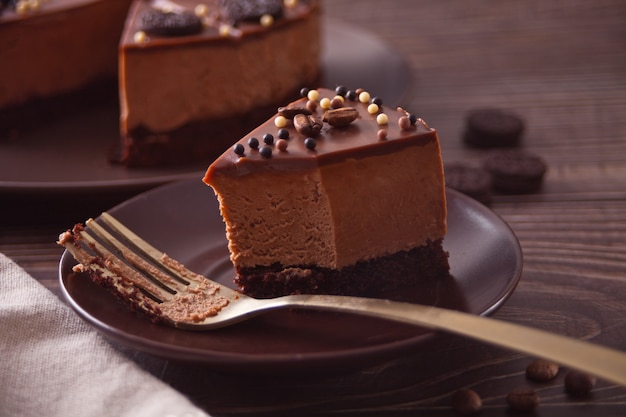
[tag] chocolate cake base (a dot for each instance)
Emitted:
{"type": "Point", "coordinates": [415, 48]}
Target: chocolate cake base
{"type": "Point", "coordinates": [364, 279]}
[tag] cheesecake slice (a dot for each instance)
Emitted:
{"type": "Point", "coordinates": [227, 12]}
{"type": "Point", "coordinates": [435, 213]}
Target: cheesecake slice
{"type": "Point", "coordinates": [194, 74]}
{"type": "Point", "coordinates": [338, 194]}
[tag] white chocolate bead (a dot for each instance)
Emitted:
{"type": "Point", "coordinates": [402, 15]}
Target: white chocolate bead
{"type": "Point", "coordinates": [201, 10]}
{"type": "Point", "coordinates": [22, 7]}
{"type": "Point", "coordinates": [267, 20]}
{"type": "Point", "coordinates": [225, 30]}
{"type": "Point", "coordinates": [364, 97]}
{"type": "Point", "coordinates": [140, 37]}
{"type": "Point", "coordinates": [382, 119]}
{"type": "Point", "coordinates": [313, 95]}
{"type": "Point", "coordinates": [325, 103]}
{"type": "Point", "coordinates": [372, 108]}
{"type": "Point", "coordinates": [280, 121]}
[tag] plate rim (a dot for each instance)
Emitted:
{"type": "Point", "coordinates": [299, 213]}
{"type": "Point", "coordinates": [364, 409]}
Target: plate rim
{"type": "Point", "coordinates": [308, 361]}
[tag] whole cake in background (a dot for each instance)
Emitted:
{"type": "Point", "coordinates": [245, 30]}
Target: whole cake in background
{"type": "Point", "coordinates": [193, 74]}
{"type": "Point", "coordinates": [335, 194]}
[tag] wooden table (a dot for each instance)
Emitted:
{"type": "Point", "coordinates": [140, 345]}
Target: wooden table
{"type": "Point", "coordinates": [562, 66]}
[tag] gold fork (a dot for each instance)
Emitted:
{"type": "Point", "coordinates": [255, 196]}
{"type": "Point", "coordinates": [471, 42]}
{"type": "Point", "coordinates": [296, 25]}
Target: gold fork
{"type": "Point", "coordinates": [168, 292]}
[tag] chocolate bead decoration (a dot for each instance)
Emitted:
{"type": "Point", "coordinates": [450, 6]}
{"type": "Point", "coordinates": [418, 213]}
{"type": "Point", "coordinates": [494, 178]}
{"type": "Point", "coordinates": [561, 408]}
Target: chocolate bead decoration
{"type": "Point", "coordinates": [377, 100]}
{"type": "Point", "coordinates": [266, 152]}
{"type": "Point", "coordinates": [281, 145]}
{"type": "Point", "coordinates": [253, 143]}
{"type": "Point", "coordinates": [341, 90]}
{"type": "Point", "coordinates": [268, 139]}
{"type": "Point", "coordinates": [239, 149]}
{"type": "Point", "coordinates": [283, 134]}
{"type": "Point", "coordinates": [310, 143]}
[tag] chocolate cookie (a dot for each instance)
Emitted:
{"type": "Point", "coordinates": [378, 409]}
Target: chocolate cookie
{"type": "Point", "coordinates": [515, 171]}
{"type": "Point", "coordinates": [159, 23]}
{"type": "Point", "coordinates": [251, 10]}
{"type": "Point", "coordinates": [493, 128]}
{"type": "Point", "coordinates": [472, 181]}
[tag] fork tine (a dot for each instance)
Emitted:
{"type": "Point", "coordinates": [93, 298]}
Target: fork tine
{"type": "Point", "coordinates": [143, 276]}
{"type": "Point", "coordinates": [153, 270]}
{"type": "Point", "coordinates": [158, 257]}
{"type": "Point", "coordinates": [115, 267]}
{"type": "Point", "coordinates": [129, 285]}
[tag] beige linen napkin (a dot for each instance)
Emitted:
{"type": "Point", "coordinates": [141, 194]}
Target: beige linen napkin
{"type": "Point", "coordinates": [54, 364]}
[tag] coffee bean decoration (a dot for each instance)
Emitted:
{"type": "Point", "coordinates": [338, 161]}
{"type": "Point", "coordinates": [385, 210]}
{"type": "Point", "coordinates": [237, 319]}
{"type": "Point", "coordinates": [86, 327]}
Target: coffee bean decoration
{"type": "Point", "coordinates": [542, 370]}
{"type": "Point", "coordinates": [251, 10]}
{"type": "Point", "coordinates": [158, 23]}
{"type": "Point", "coordinates": [579, 384]}
{"type": "Point", "coordinates": [523, 400]}
{"type": "Point", "coordinates": [466, 402]}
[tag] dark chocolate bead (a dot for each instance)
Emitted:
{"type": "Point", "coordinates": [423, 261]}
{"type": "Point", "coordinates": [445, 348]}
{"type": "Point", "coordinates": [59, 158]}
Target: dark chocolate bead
{"type": "Point", "coordinates": [283, 134]}
{"type": "Point", "coordinates": [239, 149]}
{"type": "Point", "coordinates": [377, 100]}
{"type": "Point", "coordinates": [304, 91]}
{"type": "Point", "coordinates": [158, 23]}
{"type": "Point", "coordinates": [352, 95]}
{"type": "Point", "coordinates": [341, 90]}
{"type": "Point", "coordinates": [413, 119]}
{"type": "Point", "coordinates": [268, 139]}
{"type": "Point", "coordinates": [266, 152]}
{"type": "Point", "coordinates": [310, 143]}
{"type": "Point", "coordinates": [253, 143]}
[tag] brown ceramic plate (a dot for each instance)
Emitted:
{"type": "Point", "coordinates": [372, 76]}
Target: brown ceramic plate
{"type": "Point", "coordinates": [183, 220]}
{"type": "Point", "coordinates": [70, 154]}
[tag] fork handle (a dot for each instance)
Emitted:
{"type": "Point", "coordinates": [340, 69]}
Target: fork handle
{"type": "Point", "coordinates": [598, 360]}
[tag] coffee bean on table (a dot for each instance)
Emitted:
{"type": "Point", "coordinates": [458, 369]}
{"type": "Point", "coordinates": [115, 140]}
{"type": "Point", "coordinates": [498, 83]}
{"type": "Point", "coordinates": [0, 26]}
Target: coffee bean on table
{"type": "Point", "coordinates": [542, 370]}
{"type": "Point", "coordinates": [466, 402]}
{"type": "Point", "coordinates": [522, 400]}
{"type": "Point", "coordinates": [579, 384]}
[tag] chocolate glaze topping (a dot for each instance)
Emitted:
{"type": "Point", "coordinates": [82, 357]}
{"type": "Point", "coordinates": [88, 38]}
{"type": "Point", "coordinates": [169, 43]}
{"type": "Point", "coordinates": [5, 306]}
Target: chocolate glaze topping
{"type": "Point", "coordinates": [307, 149]}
